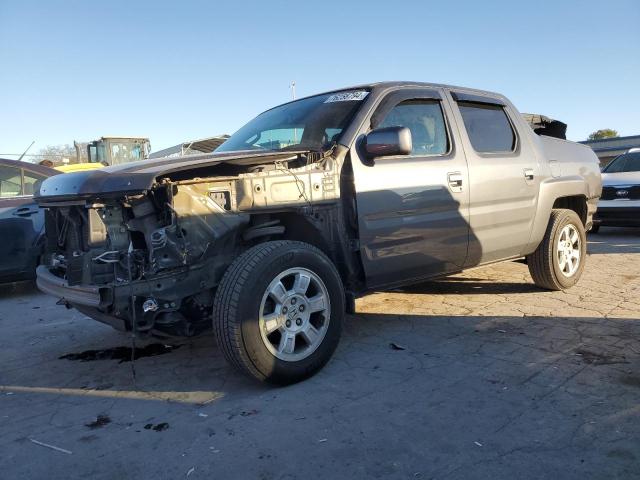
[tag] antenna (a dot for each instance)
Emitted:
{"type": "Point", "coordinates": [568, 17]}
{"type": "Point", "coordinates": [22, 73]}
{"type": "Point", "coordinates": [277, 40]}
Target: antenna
{"type": "Point", "coordinates": [293, 96]}
{"type": "Point", "coordinates": [25, 152]}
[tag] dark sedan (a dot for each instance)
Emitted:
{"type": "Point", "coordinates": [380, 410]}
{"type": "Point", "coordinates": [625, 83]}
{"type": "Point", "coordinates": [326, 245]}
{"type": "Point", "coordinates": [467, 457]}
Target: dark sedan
{"type": "Point", "coordinates": [21, 221]}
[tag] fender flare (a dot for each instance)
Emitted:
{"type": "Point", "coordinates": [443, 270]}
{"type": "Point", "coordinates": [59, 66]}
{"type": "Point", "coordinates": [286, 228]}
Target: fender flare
{"type": "Point", "coordinates": [550, 191]}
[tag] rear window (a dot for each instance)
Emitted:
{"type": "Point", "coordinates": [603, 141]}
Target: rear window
{"type": "Point", "coordinates": [488, 127]}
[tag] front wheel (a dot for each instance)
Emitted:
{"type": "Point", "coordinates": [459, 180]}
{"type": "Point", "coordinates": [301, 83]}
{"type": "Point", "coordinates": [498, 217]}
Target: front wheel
{"type": "Point", "coordinates": [558, 262]}
{"type": "Point", "coordinates": [278, 311]}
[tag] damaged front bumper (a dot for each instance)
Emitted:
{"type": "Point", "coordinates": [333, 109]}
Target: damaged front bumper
{"type": "Point", "coordinates": [88, 296]}
{"type": "Point", "coordinates": [120, 305]}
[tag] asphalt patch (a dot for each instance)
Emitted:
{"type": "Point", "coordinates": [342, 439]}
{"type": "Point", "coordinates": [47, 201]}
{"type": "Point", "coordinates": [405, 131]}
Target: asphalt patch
{"type": "Point", "coordinates": [121, 353]}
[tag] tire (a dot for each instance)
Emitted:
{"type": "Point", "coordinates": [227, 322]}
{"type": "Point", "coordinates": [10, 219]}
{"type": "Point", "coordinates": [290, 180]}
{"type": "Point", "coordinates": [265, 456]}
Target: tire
{"type": "Point", "coordinates": [244, 306]}
{"type": "Point", "coordinates": [545, 264]}
{"type": "Point", "coordinates": [594, 228]}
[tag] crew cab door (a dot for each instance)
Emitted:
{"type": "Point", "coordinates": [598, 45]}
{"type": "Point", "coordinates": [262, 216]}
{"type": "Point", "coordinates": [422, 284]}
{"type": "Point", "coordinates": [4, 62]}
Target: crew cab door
{"type": "Point", "coordinates": [412, 209]}
{"type": "Point", "coordinates": [503, 176]}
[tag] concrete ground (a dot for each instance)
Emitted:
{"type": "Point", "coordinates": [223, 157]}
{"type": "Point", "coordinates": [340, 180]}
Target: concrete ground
{"type": "Point", "coordinates": [493, 379]}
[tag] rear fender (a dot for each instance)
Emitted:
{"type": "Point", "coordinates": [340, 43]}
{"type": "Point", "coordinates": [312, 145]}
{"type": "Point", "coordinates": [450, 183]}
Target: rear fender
{"type": "Point", "coordinates": [551, 190]}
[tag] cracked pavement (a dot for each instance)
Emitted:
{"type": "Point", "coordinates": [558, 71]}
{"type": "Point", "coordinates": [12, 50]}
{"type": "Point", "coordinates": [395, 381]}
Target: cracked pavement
{"type": "Point", "coordinates": [496, 379]}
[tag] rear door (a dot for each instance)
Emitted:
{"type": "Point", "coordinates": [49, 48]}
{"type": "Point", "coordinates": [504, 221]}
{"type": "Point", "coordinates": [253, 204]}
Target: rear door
{"type": "Point", "coordinates": [503, 176]}
{"type": "Point", "coordinates": [412, 210]}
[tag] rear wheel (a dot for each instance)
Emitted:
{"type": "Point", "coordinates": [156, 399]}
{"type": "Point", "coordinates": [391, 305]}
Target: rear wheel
{"type": "Point", "coordinates": [278, 311]}
{"type": "Point", "coordinates": [558, 262]}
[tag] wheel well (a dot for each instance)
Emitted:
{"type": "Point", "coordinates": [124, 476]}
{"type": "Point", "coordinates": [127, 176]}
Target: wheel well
{"type": "Point", "coordinates": [296, 227]}
{"type": "Point", "coordinates": [320, 229]}
{"type": "Point", "coordinates": [299, 228]}
{"type": "Point", "coordinates": [577, 203]}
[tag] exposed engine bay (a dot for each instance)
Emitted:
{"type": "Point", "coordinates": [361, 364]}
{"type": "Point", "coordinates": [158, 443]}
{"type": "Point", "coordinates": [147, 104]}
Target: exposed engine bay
{"type": "Point", "coordinates": [153, 258]}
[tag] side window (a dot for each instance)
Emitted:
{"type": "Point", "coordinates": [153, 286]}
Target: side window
{"type": "Point", "coordinates": [10, 182]}
{"type": "Point", "coordinates": [29, 181]}
{"type": "Point", "coordinates": [488, 127]}
{"type": "Point", "coordinates": [424, 119]}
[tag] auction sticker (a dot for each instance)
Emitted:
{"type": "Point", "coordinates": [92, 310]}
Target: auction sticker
{"type": "Point", "coordinates": [347, 96]}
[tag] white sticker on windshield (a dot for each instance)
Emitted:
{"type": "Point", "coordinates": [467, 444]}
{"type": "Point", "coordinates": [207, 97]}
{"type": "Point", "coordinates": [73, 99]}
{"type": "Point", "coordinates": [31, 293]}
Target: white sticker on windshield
{"type": "Point", "coordinates": [347, 97]}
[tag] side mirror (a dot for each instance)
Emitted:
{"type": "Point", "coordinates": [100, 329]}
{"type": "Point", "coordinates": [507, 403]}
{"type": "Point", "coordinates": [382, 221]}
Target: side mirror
{"type": "Point", "coordinates": [388, 141]}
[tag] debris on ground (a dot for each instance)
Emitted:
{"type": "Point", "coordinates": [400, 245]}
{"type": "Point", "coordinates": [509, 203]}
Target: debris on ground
{"type": "Point", "coordinates": [478, 444]}
{"type": "Point", "coordinates": [397, 346]}
{"type": "Point", "coordinates": [191, 470]}
{"type": "Point", "coordinates": [322, 440]}
{"type": "Point", "coordinates": [52, 447]}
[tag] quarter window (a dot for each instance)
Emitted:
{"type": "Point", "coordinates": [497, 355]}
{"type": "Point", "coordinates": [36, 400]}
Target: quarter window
{"type": "Point", "coordinates": [424, 119]}
{"type": "Point", "coordinates": [488, 127]}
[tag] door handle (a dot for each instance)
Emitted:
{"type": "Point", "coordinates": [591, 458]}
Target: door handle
{"type": "Point", "coordinates": [25, 212]}
{"type": "Point", "coordinates": [455, 181]}
{"type": "Point", "coordinates": [529, 174]}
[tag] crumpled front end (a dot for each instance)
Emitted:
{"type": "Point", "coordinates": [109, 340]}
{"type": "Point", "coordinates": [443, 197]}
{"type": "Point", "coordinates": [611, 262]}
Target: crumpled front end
{"type": "Point", "coordinates": [148, 260]}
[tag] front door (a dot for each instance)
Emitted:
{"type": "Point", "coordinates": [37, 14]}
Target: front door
{"type": "Point", "coordinates": [413, 209]}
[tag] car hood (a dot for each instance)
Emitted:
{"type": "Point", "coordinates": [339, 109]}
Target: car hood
{"type": "Point", "coordinates": [139, 176]}
{"type": "Point", "coordinates": [621, 178]}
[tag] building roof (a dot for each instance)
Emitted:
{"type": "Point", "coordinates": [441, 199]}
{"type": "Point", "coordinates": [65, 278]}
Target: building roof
{"type": "Point", "coordinates": [613, 146]}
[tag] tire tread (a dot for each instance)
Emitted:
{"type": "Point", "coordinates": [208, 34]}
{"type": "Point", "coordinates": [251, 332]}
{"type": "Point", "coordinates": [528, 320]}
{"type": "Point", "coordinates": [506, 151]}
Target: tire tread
{"type": "Point", "coordinates": [540, 262]}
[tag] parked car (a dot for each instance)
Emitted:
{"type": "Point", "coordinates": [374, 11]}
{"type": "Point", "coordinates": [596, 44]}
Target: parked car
{"type": "Point", "coordinates": [619, 205]}
{"type": "Point", "coordinates": [21, 220]}
{"type": "Point", "coordinates": [309, 205]}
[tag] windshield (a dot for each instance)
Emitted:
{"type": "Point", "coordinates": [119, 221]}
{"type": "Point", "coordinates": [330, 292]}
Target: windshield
{"type": "Point", "coordinates": [313, 123]}
{"type": "Point", "coordinates": [627, 162]}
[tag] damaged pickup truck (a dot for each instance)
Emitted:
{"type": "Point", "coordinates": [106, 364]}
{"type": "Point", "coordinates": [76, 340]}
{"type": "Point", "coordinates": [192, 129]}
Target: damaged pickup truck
{"type": "Point", "coordinates": [270, 239]}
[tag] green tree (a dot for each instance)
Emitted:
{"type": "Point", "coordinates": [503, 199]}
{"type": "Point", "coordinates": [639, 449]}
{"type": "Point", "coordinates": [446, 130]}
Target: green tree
{"type": "Point", "coordinates": [603, 133]}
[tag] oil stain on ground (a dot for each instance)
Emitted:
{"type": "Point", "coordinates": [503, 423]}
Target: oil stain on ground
{"type": "Point", "coordinates": [600, 358]}
{"type": "Point", "coordinates": [99, 422]}
{"type": "Point", "coordinates": [121, 353]}
{"type": "Point", "coordinates": [158, 428]}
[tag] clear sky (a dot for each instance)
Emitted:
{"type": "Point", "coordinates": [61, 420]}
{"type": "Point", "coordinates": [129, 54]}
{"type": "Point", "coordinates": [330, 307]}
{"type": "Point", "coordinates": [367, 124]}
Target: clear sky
{"type": "Point", "coordinates": [176, 71]}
